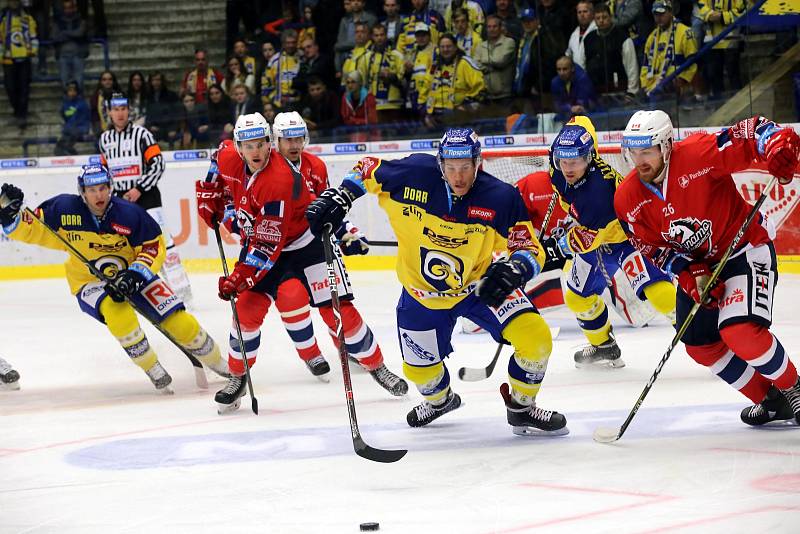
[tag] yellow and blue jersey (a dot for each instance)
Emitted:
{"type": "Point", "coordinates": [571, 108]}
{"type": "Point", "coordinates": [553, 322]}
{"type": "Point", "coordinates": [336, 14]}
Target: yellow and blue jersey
{"type": "Point", "coordinates": [590, 201]}
{"type": "Point", "coordinates": [445, 243]}
{"type": "Point", "coordinates": [126, 236]}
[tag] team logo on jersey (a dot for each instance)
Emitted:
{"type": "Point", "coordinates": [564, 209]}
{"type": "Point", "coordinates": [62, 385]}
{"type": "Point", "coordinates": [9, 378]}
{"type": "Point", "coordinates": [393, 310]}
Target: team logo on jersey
{"type": "Point", "coordinates": [520, 238]}
{"type": "Point", "coordinates": [245, 222]}
{"type": "Point", "coordinates": [444, 241]}
{"type": "Point", "coordinates": [441, 270]}
{"type": "Point", "coordinates": [269, 230]}
{"type": "Point", "coordinates": [689, 233]}
{"type": "Point", "coordinates": [107, 247]}
{"type": "Point", "coordinates": [110, 265]}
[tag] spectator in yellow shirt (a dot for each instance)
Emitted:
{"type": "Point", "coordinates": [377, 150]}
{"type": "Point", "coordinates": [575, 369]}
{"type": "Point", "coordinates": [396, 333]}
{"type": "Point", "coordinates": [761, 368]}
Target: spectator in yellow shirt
{"type": "Point", "coordinates": [18, 44]}
{"type": "Point", "coordinates": [356, 56]}
{"type": "Point", "coordinates": [382, 70]}
{"type": "Point", "coordinates": [466, 38]}
{"type": "Point", "coordinates": [456, 84]}
{"type": "Point", "coordinates": [418, 68]}
{"type": "Point", "coordinates": [669, 45]}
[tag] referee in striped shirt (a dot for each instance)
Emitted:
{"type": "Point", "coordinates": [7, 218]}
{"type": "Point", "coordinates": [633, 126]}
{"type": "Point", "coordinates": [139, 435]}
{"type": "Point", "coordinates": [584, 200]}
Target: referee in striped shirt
{"type": "Point", "coordinates": [134, 158]}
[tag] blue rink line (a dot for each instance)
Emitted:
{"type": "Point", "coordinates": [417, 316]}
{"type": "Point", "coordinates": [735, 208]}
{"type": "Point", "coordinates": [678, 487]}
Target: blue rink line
{"type": "Point", "coordinates": [457, 433]}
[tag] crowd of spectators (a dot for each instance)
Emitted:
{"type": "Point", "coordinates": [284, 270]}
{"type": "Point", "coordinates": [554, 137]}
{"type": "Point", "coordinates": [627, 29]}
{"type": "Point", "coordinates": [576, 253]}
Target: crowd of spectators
{"type": "Point", "coordinates": [356, 63]}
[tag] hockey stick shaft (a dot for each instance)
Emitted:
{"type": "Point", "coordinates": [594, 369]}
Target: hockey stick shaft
{"type": "Point", "coordinates": [238, 325]}
{"type": "Point", "coordinates": [474, 375]}
{"type": "Point", "coordinates": [103, 278]}
{"type": "Point", "coordinates": [360, 447]}
{"type": "Point", "coordinates": [686, 322]}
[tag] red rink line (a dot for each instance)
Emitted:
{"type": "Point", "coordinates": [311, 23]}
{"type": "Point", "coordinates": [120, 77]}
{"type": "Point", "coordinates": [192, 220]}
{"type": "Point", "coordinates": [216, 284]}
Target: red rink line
{"type": "Point", "coordinates": [652, 498]}
{"type": "Point", "coordinates": [754, 451]}
{"type": "Point", "coordinates": [723, 517]}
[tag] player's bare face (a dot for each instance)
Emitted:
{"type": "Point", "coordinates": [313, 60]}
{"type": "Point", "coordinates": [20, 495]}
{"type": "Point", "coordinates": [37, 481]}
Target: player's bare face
{"type": "Point", "coordinates": [119, 116]}
{"type": "Point", "coordinates": [255, 153]}
{"type": "Point", "coordinates": [97, 197]}
{"type": "Point", "coordinates": [648, 162]}
{"type": "Point", "coordinates": [460, 174]}
{"type": "Point", "coordinates": [291, 148]}
{"type": "Point", "coordinates": [573, 169]}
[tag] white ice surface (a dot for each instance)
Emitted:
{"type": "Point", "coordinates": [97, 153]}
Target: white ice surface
{"type": "Point", "coordinates": [87, 445]}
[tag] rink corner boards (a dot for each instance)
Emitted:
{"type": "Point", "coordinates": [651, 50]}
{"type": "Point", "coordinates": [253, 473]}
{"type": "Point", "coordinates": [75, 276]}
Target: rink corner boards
{"type": "Point", "coordinates": [212, 265]}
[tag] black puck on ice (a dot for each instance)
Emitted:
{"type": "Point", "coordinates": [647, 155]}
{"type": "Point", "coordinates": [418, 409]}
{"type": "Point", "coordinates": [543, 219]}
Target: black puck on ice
{"type": "Point", "coordinates": [367, 527]}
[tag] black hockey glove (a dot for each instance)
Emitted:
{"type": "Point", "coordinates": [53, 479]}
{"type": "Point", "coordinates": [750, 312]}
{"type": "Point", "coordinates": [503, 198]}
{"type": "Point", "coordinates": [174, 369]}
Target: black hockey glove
{"type": "Point", "coordinates": [555, 256]}
{"type": "Point", "coordinates": [330, 207]}
{"type": "Point", "coordinates": [126, 284]}
{"type": "Point", "coordinates": [500, 280]}
{"type": "Point", "coordinates": [10, 203]}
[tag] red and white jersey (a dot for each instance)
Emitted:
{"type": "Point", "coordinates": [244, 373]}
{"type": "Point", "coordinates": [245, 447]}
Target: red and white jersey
{"type": "Point", "coordinates": [270, 205]}
{"type": "Point", "coordinates": [537, 192]}
{"type": "Point", "coordinates": [314, 172]}
{"type": "Point", "coordinates": [697, 211]}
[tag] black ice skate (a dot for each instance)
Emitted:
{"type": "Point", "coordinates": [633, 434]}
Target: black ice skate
{"type": "Point", "coordinates": [793, 397]}
{"type": "Point", "coordinates": [9, 378]}
{"type": "Point", "coordinates": [530, 420]}
{"type": "Point", "coordinates": [160, 378]}
{"type": "Point", "coordinates": [390, 381]}
{"type": "Point", "coordinates": [607, 354]}
{"type": "Point", "coordinates": [229, 398]}
{"type": "Point", "coordinates": [774, 407]}
{"type": "Point", "coordinates": [426, 412]}
{"type": "Point", "coordinates": [319, 367]}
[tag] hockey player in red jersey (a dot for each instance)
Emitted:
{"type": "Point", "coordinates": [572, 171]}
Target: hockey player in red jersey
{"type": "Point", "coordinates": [269, 199]}
{"type": "Point", "coordinates": [681, 208]}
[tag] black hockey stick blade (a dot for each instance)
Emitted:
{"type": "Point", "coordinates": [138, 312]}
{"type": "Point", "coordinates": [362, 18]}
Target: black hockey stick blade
{"type": "Point", "coordinates": [377, 455]}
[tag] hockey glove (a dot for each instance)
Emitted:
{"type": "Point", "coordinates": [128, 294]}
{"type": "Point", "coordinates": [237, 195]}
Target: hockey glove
{"type": "Point", "coordinates": [694, 278]}
{"type": "Point", "coordinates": [10, 203]}
{"type": "Point", "coordinates": [330, 207]}
{"type": "Point", "coordinates": [555, 255]}
{"type": "Point", "coordinates": [352, 241]}
{"type": "Point", "coordinates": [500, 280]}
{"type": "Point", "coordinates": [210, 205]}
{"type": "Point", "coordinates": [240, 280]}
{"type": "Point", "coordinates": [782, 152]}
{"type": "Point", "coordinates": [125, 285]}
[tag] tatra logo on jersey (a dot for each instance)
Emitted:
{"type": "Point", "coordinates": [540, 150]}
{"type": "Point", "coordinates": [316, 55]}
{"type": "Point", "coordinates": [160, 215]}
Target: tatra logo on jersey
{"type": "Point", "coordinates": [441, 270]}
{"type": "Point", "coordinates": [689, 233]}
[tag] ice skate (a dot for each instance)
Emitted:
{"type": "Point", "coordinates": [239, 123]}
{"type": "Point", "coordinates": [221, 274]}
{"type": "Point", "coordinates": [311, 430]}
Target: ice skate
{"type": "Point", "coordinates": [605, 354]}
{"type": "Point", "coordinates": [160, 378]}
{"type": "Point", "coordinates": [9, 378]}
{"type": "Point", "coordinates": [229, 398]}
{"type": "Point", "coordinates": [426, 412]}
{"type": "Point", "coordinates": [319, 368]}
{"type": "Point", "coordinates": [389, 381]}
{"type": "Point", "coordinates": [530, 420]}
{"type": "Point", "coordinates": [774, 408]}
{"type": "Point", "coordinates": [793, 397]}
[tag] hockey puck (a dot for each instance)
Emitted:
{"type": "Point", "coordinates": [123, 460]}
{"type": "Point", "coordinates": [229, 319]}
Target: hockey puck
{"type": "Point", "coordinates": [367, 527]}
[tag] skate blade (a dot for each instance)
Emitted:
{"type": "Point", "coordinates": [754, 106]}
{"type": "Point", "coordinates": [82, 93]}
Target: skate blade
{"type": "Point", "coordinates": [325, 379]}
{"type": "Point", "coordinates": [619, 363]}
{"type": "Point", "coordinates": [223, 409]}
{"type": "Point", "coordinates": [10, 386]}
{"type": "Point", "coordinates": [531, 431]}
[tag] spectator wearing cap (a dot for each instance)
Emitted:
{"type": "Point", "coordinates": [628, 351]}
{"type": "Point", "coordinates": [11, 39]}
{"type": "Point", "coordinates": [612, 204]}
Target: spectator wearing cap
{"type": "Point", "coordinates": [382, 70]}
{"type": "Point", "coordinates": [281, 71]}
{"type": "Point", "coordinates": [357, 56]}
{"type": "Point", "coordinates": [507, 13]}
{"type": "Point", "coordinates": [346, 38]}
{"type": "Point", "coordinates": [495, 57]}
{"type": "Point", "coordinates": [417, 69]}
{"type": "Point", "coordinates": [667, 47]}
{"type": "Point", "coordinates": [537, 53]}
{"type": "Point", "coordinates": [198, 80]}
{"type": "Point", "coordinates": [586, 26]}
{"type": "Point", "coordinates": [392, 21]}
{"type": "Point", "coordinates": [723, 60]}
{"type": "Point", "coordinates": [610, 56]}
{"type": "Point", "coordinates": [474, 10]}
{"type": "Point", "coordinates": [573, 92]}
{"type": "Point", "coordinates": [457, 84]}
{"type": "Point", "coordinates": [421, 12]}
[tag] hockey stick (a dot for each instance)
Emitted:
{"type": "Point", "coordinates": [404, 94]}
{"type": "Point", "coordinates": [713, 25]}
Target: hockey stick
{"type": "Point", "coordinates": [361, 448]}
{"type": "Point", "coordinates": [470, 374]}
{"type": "Point", "coordinates": [610, 435]}
{"type": "Point", "coordinates": [253, 400]}
{"type": "Point", "coordinates": [199, 373]}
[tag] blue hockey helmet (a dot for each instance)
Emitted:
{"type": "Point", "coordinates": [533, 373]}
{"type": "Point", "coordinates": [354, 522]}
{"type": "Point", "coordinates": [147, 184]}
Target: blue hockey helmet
{"type": "Point", "coordinates": [576, 140]}
{"type": "Point", "coordinates": [459, 143]}
{"type": "Point", "coordinates": [93, 175]}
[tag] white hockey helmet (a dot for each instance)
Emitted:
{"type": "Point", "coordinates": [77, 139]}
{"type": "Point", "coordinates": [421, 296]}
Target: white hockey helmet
{"type": "Point", "coordinates": [290, 124]}
{"type": "Point", "coordinates": [248, 127]}
{"type": "Point", "coordinates": [647, 129]}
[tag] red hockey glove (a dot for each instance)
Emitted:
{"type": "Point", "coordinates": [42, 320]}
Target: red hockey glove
{"type": "Point", "coordinates": [694, 279]}
{"type": "Point", "coordinates": [240, 280]}
{"type": "Point", "coordinates": [210, 205]}
{"type": "Point", "coordinates": [782, 152]}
